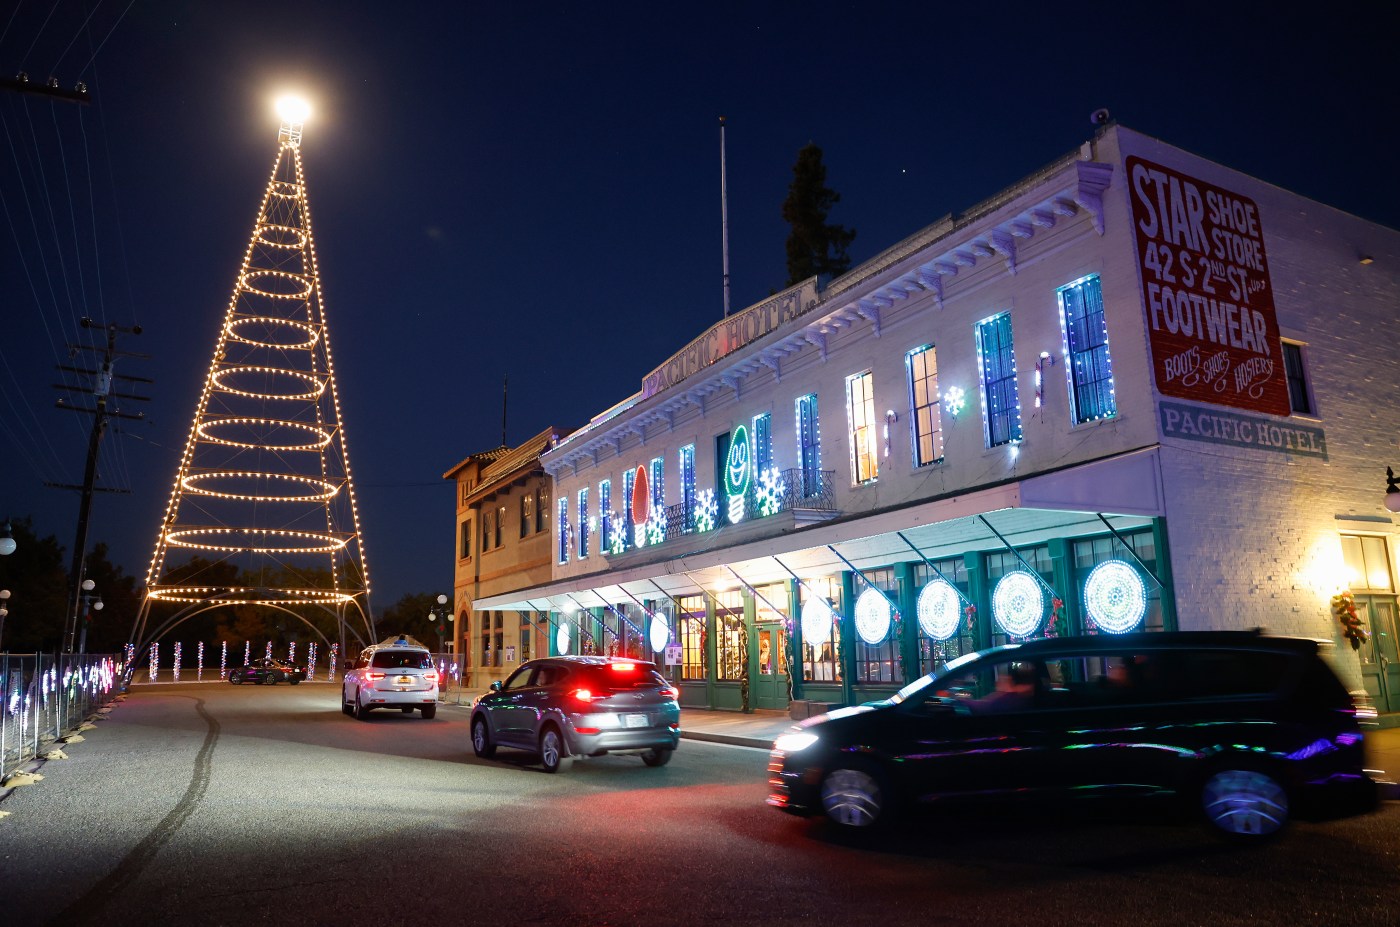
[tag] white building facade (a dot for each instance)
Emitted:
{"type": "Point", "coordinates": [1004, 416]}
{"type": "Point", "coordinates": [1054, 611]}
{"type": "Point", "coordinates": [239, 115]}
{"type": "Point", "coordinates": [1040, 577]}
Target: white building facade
{"type": "Point", "coordinates": [1138, 391]}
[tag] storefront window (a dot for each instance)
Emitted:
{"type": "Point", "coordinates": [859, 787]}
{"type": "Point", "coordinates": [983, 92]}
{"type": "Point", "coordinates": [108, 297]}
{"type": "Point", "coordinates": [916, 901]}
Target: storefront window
{"type": "Point", "coordinates": [933, 653]}
{"type": "Point", "coordinates": [694, 664]}
{"type": "Point", "coordinates": [771, 605]}
{"type": "Point", "coordinates": [821, 630]}
{"type": "Point", "coordinates": [879, 662]}
{"type": "Point", "coordinates": [730, 651]}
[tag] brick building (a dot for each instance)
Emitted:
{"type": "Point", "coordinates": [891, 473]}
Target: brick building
{"type": "Point", "coordinates": [1136, 390]}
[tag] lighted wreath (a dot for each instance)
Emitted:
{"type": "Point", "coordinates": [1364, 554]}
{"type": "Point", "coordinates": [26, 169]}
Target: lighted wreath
{"type": "Point", "coordinates": [1344, 610]}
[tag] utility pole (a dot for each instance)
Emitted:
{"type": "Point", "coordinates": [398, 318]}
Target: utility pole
{"type": "Point", "coordinates": [101, 392]}
{"type": "Point", "coordinates": [724, 216]}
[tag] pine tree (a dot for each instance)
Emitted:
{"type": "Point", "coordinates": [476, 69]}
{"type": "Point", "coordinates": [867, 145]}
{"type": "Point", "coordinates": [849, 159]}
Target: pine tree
{"type": "Point", "coordinates": [814, 247]}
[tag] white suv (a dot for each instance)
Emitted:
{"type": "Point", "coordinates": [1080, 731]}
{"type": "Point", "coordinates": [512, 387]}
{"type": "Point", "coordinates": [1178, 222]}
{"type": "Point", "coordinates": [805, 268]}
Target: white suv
{"type": "Point", "coordinates": [395, 673]}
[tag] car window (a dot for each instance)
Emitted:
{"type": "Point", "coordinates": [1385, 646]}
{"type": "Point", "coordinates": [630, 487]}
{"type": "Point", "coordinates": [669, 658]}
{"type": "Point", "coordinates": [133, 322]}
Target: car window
{"type": "Point", "coordinates": [620, 676]}
{"type": "Point", "coordinates": [520, 678]}
{"type": "Point", "coordinates": [1210, 674]}
{"type": "Point", "coordinates": [549, 675]}
{"type": "Point", "coordinates": [401, 659]}
{"type": "Point", "coordinates": [990, 687]}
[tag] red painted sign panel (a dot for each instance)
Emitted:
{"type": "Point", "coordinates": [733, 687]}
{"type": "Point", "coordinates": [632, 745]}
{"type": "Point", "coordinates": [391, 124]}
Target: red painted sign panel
{"type": "Point", "coordinates": [1205, 283]}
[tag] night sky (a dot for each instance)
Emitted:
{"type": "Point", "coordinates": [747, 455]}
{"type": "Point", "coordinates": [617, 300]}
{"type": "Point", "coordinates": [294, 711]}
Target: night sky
{"type": "Point", "coordinates": [532, 191]}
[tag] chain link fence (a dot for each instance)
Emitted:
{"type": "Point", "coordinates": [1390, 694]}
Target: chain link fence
{"type": "Point", "coordinates": [46, 697]}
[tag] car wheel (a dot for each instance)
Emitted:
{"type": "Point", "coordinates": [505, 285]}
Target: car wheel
{"type": "Point", "coordinates": [481, 740]}
{"type": "Point", "coordinates": [429, 712]}
{"type": "Point", "coordinates": [361, 709]}
{"type": "Point", "coordinates": [1247, 804]}
{"type": "Point", "coordinates": [856, 796]}
{"type": "Point", "coordinates": [269, 680]}
{"type": "Point", "coordinates": [657, 756]}
{"type": "Point", "coordinates": [552, 751]}
{"type": "Point", "coordinates": [293, 680]}
{"type": "Point", "coordinates": [236, 680]}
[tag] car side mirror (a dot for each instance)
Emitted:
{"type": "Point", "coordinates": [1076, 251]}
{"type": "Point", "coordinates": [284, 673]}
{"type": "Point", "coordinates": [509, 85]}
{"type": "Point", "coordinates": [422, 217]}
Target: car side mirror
{"type": "Point", "coordinates": [496, 686]}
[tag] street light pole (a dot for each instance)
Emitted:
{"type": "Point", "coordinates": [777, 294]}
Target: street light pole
{"type": "Point", "coordinates": [441, 617]}
{"type": "Point", "coordinates": [4, 612]}
{"type": "Point", "coordinates": [88, 603]}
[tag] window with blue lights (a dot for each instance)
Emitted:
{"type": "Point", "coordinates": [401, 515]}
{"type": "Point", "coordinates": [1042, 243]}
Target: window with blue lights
{"type": "Point", "coordinates": [629, 480]}
{"type": "Point", "coordinates": [924, 416]}
{"type": "Point", "coordinates": [762, 444]}
{"type": "Point", "coordinates": [658, 484]}
{"type": "Point", "coordinates": [687, 467]}
{"type": "Point", "coordinates": [1089, 370]}
{"type": "Point", "coordinates": [605, 515]}
{"type": "Point", "coordinates": [583, 526]}
{"type": "Point", "coordinates": [860, 412]}
{"type": "Point", "coordinates": [996, 358]}
{"type": "Point", "coordinates": [809, 445]}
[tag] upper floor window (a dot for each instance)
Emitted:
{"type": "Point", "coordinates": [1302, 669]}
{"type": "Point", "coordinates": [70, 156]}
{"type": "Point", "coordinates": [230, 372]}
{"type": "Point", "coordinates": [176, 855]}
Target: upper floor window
{"type": "Point", "coordinates": [762, 444]}
{"type": "Point", "coordinates": [809, 444]}
{"type": "Point", "coordinates": [564, 530]}
{"type": "Point", "coordinates": [629, 480]}
{"type": "Point", "coordinates": [996, 359]}
{"type": "Point", "coordinates": [500, 525]}
{"type": "Point", "coordinates": [1088, 368]}
{"type": "Point", "coordinates": [860, 410]}
{"type": "Point", "coordinates": [605, 515]}
{"type": "Point", "coordinates": [687, 467]}
{"type": "Point", "coordinates": [583, 524]}
{"type": "Point", "coordinates": [658, 483]}
{"type": "Point", "coordinates": [465, 542]}
{"type": "Point", "coordinates": [488, 529]}
{"type": "Point", "coordinates": [527, 513]}
{"type": "Point", "coordinates": [924, 418]}
{"type": "Point", "coordinates": [542, 508]}
{"type": "Point", "coordinates": [1299, 393]}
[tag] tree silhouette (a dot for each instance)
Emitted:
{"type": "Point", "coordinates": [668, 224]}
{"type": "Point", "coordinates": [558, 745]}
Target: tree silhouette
{"type": "Point", "coordinates": [814, 246]}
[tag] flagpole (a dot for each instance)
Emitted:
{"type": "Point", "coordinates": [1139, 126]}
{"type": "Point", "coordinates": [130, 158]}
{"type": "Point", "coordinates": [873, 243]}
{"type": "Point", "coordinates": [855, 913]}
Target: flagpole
{"type": "Point", "coordinates": [724, 215]}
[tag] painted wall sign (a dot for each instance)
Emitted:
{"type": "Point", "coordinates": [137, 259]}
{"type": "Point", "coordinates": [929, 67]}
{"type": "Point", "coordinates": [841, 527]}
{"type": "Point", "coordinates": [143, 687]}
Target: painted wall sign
{"type": "Point", "coordinates": [731, 334]}
{"type": "Point", "coordinates": [1232, 428]}
{"type": "Point", "coordinates": [1205, 282]}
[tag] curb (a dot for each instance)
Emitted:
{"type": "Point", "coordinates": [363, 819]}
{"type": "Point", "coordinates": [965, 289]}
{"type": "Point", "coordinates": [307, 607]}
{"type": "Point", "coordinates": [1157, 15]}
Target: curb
{"type": "Point", "coordinates": [732, 740]}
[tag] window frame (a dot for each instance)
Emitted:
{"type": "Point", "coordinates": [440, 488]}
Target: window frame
{"type": "Point", "coordinates": [1300, 349]}
{"type": "Point", "coordinates": [865, 433]}
{"type": "Point", "coordinates": [992, 382]}
{"type": "Point", "coordinates": [932, 402]}
{"type": "Point", "coordinates": [1094, 321]}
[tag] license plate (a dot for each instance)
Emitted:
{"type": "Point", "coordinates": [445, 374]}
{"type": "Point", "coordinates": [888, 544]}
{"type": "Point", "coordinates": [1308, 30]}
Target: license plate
{"type": "Point", "coordinates": [405, 680]}
{"type": "Point", "coordinates": [634, 720]}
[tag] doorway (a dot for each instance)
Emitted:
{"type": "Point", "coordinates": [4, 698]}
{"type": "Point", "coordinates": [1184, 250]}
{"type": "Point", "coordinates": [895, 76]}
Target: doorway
{"type": "Point", "coordinates": [770, 674]}
{"type": "Point", "coordinates": [1380, 656]}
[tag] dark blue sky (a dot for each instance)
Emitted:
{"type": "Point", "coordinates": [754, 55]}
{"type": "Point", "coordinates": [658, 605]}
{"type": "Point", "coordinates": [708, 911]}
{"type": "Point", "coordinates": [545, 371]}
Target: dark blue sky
{"type": "Point", "coordinates": [532, 191]}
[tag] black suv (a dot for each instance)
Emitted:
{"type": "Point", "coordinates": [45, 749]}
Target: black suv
{"type": "Point", "coordinates": [1253, 728]}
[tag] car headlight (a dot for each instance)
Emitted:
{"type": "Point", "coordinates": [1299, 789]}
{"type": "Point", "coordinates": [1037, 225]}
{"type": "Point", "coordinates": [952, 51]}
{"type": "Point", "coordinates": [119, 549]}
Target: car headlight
{"type": "Point", "coordinates": [794, 742]}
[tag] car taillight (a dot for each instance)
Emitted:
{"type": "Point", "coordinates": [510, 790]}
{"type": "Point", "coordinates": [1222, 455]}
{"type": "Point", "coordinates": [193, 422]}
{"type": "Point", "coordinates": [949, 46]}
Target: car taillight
{"type": "Point", "coordinates": [431, 676]}
{"type": "Point", "coordinates": [373, 676]}
{"type": "Point", "coordinates": [583, 695]}
{"type": "Point", "coordinates": [671, 692]}
{"type": "Point", "coordinates": [624, 667]}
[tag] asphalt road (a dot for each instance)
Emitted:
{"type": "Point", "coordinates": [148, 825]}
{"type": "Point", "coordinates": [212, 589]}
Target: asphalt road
{"type": "Point", "coordinates": [215, 804]}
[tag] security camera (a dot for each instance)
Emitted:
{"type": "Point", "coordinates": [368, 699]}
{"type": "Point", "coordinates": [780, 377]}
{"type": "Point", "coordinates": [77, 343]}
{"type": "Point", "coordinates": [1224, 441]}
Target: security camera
{"type": "Point", "coordinates": [1099, 117]}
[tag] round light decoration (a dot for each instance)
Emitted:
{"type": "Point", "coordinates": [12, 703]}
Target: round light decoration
{"type": "Point", "coordinates": [872, 616]}
{"type": "Point", "coordinates": [660, 633]}
{"type": "Point", "coordinates": [1115, 597]}
{"type": "Point", "coordinates": [938, 612]}
{"type": "Point", "coordinates": [561, 639]}
{"type": "Point", "coordinates": [1018, 604]}
{"type": "Point", "coordinates": [816, 621]}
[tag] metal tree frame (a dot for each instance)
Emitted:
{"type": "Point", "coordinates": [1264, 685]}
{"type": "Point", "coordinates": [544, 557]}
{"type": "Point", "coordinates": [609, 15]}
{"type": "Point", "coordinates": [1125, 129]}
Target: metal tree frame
{"type": "Point", "coordinates": [264, 483]}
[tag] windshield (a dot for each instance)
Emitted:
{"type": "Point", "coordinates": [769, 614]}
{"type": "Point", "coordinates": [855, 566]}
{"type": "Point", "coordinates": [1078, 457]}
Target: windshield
{"type": "Point", "coordinates": [952, 666]}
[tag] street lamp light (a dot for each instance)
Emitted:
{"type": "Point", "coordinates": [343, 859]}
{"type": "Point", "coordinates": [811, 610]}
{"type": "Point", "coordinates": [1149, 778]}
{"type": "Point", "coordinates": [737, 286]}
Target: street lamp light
{"type": "Point", "coordinates": [7, 543]}
{"type": "Point", "coordinates": [1392, 491]}
{"type": "Point", "coordinates": [90, 602]}
{"type": "Point", "coordinates": [441, 616]}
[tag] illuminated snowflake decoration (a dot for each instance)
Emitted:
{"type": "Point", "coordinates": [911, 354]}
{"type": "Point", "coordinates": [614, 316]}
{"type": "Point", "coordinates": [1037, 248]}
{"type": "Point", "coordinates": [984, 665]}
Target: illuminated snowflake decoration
{"type": "Point", "coordinates": [619, 536]}
{"type": "Point", "coordinates": [1018, 604]}
{"type": "Point", "coordinates": [873, 616]}
{"type": "Point", "coordinates": [770, 492]}
{"type": "Point", "coordinates": [1115, 597]}
{"type": "Point", "coordinates": [706, 510]}
{"type": "Point", "coordinates": [561, 639]}
{"type": "Point", "coordinates": [656, 526]}
{"type": "Point", "coordinates": [816, 621]}
{"type": "Point", "coordinates": [955, 400]}
{"type": "Point", "coordinates": [937, 608]}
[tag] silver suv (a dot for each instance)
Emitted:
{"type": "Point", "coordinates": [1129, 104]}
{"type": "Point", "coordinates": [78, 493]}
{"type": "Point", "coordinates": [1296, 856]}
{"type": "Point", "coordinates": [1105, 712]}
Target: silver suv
{"type": "Point", "coordinates": [395, 673]}
{"type": "Point", "coordinates": [565, 707]}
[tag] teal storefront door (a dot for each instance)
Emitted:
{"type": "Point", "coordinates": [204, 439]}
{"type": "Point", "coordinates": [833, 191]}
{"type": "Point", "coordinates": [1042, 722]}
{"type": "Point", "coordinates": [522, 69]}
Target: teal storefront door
{"type": "Point", "coordinates": [1380, 656]}
{"type": "Point", "coordinates": [770, 674]}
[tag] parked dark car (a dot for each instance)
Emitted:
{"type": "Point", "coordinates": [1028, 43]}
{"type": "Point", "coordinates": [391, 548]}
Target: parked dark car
{"type": "Point", "coordinates": [1251, 729]}
{"type": "Point", "coordinates": [566, 707]}
{"type": "Point", "coordinates": [267, 672]}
